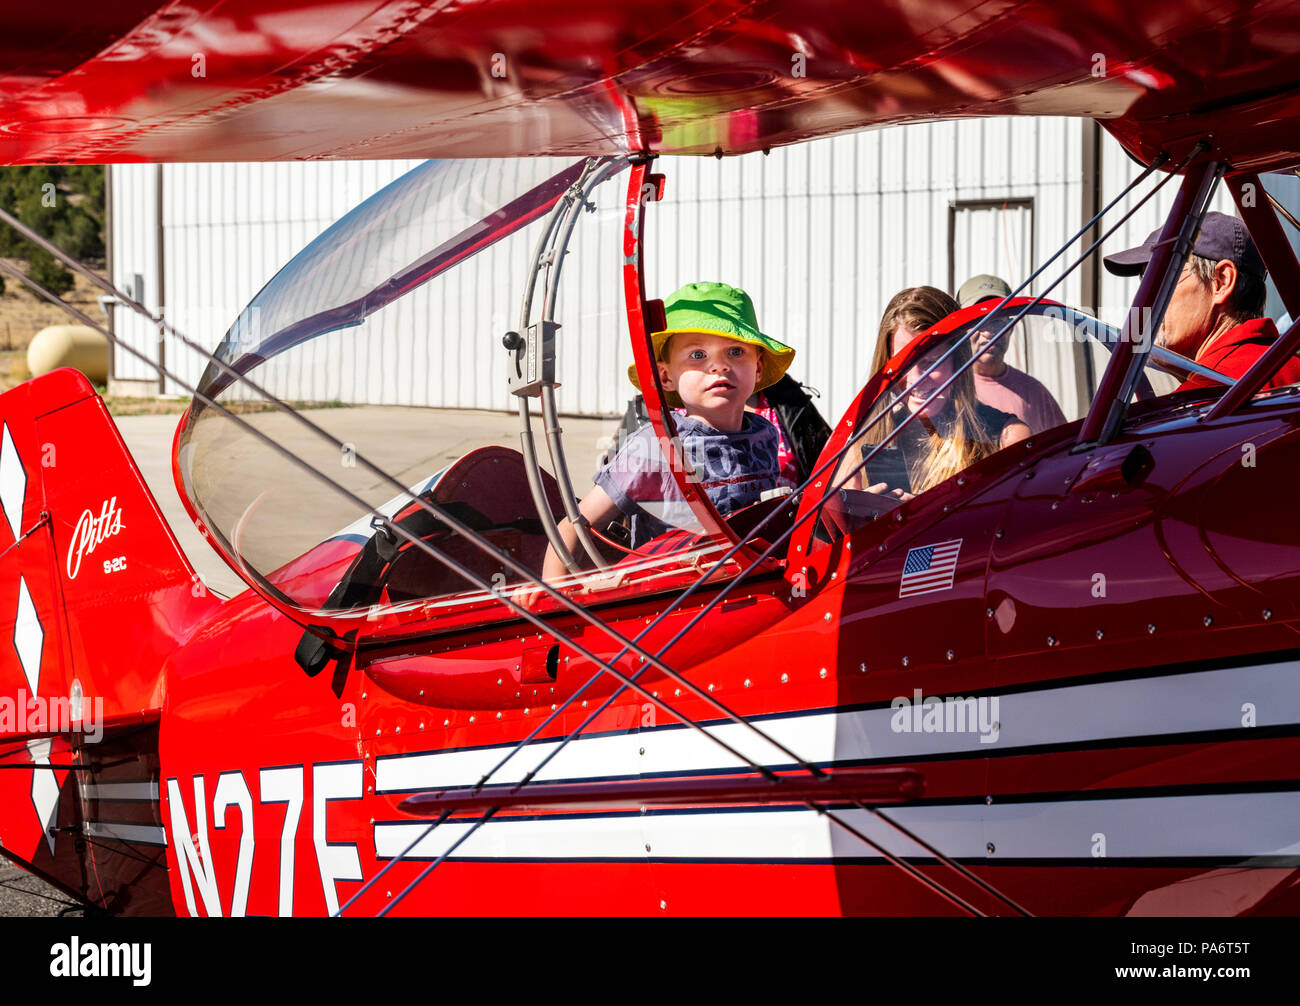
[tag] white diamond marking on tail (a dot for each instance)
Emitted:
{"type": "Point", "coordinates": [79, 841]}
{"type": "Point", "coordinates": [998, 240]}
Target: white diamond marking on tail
{"type": "Point", "coordinates": [45, 790]}
{"type": "Point", "coordinates": [13, 482]}
{"type": "Point", "coordinates": [29, 637]}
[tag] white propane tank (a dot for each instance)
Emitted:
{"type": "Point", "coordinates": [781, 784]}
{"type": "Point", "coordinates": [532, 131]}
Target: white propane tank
{"type": "Point", "coordinates": [69, 346]}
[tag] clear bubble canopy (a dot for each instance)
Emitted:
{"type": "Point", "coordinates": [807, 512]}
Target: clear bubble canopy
{"type": "Point", "coordinates": [386, 335]}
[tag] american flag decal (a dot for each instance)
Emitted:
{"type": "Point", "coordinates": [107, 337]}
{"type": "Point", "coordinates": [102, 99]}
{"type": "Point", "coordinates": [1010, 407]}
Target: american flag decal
{"type": "Point", "coordinates": [929, 568]}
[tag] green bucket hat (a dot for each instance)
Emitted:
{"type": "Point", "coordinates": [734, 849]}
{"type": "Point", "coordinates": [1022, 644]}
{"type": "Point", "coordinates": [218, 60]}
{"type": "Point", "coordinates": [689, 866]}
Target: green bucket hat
{"type": "Point", "coordinates": [722, 310]}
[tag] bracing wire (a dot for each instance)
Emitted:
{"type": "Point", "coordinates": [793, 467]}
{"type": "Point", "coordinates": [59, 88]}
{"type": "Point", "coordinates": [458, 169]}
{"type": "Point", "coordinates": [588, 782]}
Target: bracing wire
{"type": "Point", "coordinates": [626, 682]}
{"type": "Point", "coordinates": [835, 461]}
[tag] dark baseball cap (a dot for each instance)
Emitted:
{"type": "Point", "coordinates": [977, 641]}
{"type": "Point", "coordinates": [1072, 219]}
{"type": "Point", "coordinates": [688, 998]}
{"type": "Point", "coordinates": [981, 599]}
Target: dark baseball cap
{"type": "Point", "coordinates": [1221, 237]}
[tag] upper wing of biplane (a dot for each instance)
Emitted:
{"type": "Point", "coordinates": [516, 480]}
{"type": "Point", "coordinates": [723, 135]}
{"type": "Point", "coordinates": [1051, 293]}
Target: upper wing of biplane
{"type": "Point", "coordinates": [150, 80]}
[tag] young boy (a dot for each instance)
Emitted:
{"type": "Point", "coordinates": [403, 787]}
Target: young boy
{"type": "Point", "coordinates": [711, 359]}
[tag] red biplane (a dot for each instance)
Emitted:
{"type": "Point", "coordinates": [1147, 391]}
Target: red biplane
{"type": "Point", "coordinates": [828, 702]}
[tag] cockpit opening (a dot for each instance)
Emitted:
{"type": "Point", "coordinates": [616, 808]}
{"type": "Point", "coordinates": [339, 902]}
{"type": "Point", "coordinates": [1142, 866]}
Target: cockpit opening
{"type": "Point", "coordinates": [527, 275]}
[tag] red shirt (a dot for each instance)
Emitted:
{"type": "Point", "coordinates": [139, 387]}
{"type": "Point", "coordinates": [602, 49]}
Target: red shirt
{"type": "Point", "coordinates": [785, 459]}
{"type": "Point", "coordinates": [1236, 350]}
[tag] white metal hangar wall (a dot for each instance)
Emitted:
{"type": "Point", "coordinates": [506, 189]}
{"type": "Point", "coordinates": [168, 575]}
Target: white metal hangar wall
{"type": "Point", "coordinates": [821, 235]}
{"type": "Point", "coordinates": [199, 240]}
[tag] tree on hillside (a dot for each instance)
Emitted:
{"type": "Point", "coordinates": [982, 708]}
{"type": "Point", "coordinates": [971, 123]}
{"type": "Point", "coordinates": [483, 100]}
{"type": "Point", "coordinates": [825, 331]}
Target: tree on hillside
{"type": "Point", "coordinates": [64, 203]}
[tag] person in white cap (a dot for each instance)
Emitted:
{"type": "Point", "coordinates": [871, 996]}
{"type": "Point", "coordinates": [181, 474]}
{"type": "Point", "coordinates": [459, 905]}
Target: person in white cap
{"type": "Point", "coordinates": [998, 384]}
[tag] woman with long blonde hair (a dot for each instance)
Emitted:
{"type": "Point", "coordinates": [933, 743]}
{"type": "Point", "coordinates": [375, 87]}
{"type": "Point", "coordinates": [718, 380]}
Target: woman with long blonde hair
{"type": "Point", "coordinates": [953, 431]}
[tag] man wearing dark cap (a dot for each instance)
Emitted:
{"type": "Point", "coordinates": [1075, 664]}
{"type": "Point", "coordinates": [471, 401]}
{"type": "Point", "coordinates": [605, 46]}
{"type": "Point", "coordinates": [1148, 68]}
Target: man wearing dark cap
{"type": "Point", "coordinates": [1215, 315]}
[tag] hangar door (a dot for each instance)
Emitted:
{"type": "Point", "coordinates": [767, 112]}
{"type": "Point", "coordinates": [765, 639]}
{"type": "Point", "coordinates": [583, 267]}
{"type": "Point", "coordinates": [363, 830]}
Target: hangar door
{"type": "Point", "coordinates": [997, 236]}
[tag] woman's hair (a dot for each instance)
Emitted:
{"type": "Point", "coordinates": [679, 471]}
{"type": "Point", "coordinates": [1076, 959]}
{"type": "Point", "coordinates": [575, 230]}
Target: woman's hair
{"type": "Point", "coordinates": [960, 438]}
{"type": "Point", "coordinates": [919, 308]}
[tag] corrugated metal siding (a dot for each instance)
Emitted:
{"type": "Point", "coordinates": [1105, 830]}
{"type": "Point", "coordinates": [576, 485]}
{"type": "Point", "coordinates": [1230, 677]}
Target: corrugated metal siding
{"type": "Point", "coordinates": [134, 252]}
{"type": "Point", "coordinates": [821, 234]}
{"type": "Point", "coordinates": [228, 229]}
{"type": "Point", "coordinates": [824, 234]}
{"type": "Point", "coordinates": [440, 345]}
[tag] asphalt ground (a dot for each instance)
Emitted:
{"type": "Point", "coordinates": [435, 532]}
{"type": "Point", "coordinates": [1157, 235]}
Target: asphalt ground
{"type": "Point", "coordinates": [23, 895]}
{"type": "Point", "coordinates": [409, 443]}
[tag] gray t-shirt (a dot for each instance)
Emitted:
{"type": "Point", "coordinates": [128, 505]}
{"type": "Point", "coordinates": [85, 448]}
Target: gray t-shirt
{"type": "Point", "coordinates": [734, 469]}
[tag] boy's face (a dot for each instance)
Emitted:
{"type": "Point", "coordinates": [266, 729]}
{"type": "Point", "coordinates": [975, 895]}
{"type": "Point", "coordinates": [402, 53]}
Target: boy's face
{"type": "Point", "coordinates": [709, 371]}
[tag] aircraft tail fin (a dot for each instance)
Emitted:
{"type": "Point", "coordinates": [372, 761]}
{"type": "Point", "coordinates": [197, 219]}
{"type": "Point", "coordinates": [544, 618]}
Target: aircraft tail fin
{"type": "Point", "coordinates": [95, 594]}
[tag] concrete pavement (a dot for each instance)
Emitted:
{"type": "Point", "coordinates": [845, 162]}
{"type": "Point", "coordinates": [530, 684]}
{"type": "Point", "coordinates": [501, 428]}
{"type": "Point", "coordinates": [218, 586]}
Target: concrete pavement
{"type": "Point", "coordinates": [409, 443]}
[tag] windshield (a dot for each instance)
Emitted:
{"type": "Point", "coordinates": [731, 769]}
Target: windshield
{"type": "Point", "coordinates": [986, 380]}
{"type": "Point", "coordinates": [386, 334]}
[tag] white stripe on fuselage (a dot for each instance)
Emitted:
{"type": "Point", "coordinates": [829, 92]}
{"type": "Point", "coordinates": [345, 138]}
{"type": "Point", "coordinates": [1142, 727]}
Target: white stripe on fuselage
{"type": "Point", "coordinates": [135, 834]}
{"type": "Point", "coordinates": [1210, 825]}
{"type": "Point", "coordinates": [1079, 714]}
{"type": "Point", "coordinates": [121, 791]}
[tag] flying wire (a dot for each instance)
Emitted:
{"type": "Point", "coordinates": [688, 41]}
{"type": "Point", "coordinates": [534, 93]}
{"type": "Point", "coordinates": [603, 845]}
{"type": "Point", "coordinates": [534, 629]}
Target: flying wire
{"type": "Point", "coordinates": [461, 570]}
{"type": "Point", "coordinates": [529, 616]}
{"type": "Point", "coordinates": [447, 519]}
{"type": "Point", "coordinates": [45, 519]}
{"type": "Point", "coordinates": [834, 461]}
{"type": "Point", "coordinates": [452, 564]}
{"type": "Point", "coordinates": [469, 535]}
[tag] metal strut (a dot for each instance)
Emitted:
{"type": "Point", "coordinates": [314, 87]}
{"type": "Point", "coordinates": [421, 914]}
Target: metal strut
{"type": "Point", "coordinates": [576, 202]}
{"type": "Point", "coordinates": [527, 446]}
{"type": "Point", "coordinates": [1009, 326]}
